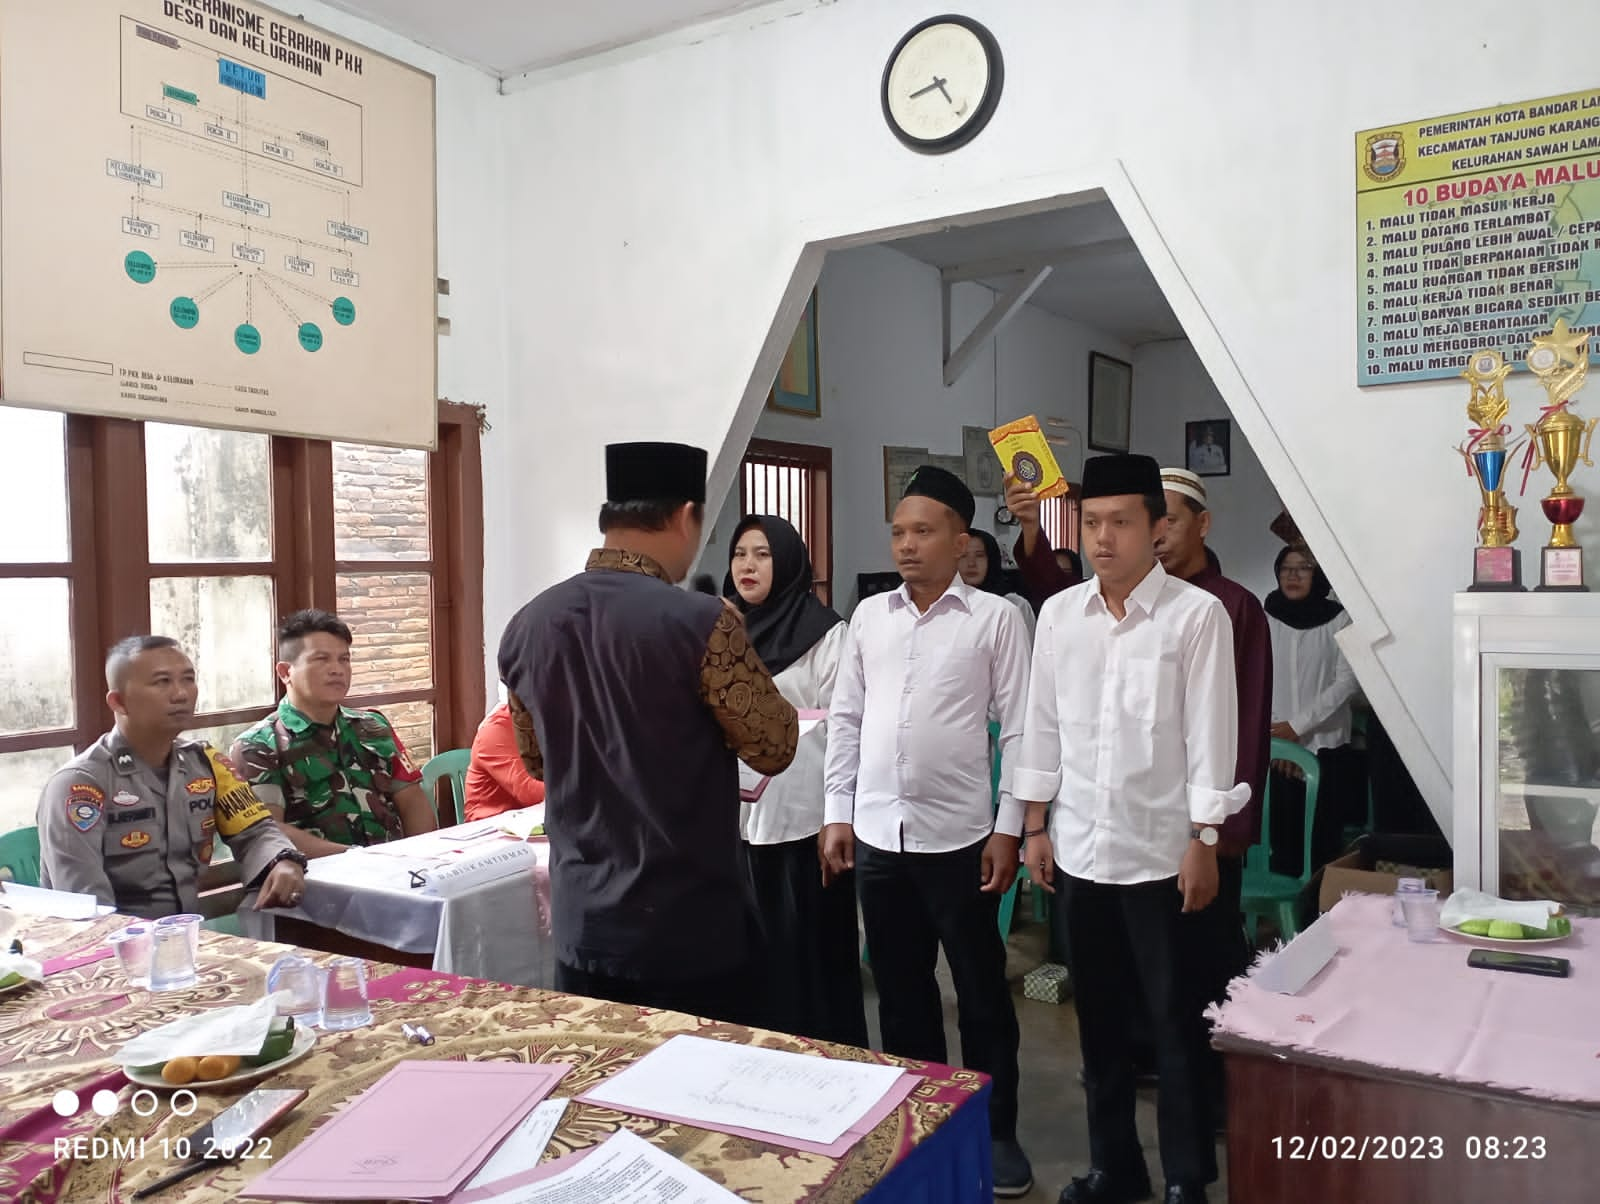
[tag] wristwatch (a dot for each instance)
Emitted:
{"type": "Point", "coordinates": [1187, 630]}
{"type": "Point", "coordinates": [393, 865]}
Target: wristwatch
{"type": "Point", "coordinates": [1205, 835]}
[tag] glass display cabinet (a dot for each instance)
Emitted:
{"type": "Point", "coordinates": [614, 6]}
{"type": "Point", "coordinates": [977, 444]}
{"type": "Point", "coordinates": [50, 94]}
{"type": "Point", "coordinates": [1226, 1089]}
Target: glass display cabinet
{"type": "Point", "coordinates": [1527, 747]}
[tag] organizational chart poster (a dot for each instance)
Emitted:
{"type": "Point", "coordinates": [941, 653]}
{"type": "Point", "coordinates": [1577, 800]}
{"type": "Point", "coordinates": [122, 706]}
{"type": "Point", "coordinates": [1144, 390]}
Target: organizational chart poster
{"type": "Point", "coordinates": [213, 213]}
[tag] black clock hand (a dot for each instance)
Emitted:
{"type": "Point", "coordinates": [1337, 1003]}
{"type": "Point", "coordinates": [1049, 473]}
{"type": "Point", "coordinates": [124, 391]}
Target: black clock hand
{"type": "Point", "coordinates": [946, 92]}
{"type": "Point", "coordinates": [936, 84]}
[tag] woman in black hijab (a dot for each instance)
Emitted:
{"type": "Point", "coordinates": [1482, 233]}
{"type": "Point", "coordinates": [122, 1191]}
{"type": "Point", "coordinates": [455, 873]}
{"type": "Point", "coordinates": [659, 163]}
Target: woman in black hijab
{"type": "Point", "coordinates": [982, 568]}
{"type": "Point", "coordinates": [814, 972]}
{"type": "Point", "coordinates": [1312, 689]}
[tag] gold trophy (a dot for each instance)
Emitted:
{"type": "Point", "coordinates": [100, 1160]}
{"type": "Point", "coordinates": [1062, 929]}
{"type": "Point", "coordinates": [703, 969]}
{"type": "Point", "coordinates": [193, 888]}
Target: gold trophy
{"type": "Point", "coordinates": [1560, 360]}
{"type": "Point", "coordinates": [1496, 565]}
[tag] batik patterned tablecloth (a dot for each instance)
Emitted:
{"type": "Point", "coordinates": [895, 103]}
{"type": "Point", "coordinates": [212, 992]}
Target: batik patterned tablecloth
{"type": "Point", "coordinates": [61, 1034]}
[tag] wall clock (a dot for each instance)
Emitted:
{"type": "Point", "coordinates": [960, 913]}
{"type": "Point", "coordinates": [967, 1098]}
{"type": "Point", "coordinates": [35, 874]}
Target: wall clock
{"type": "Point", "coordinates": [942, 84]}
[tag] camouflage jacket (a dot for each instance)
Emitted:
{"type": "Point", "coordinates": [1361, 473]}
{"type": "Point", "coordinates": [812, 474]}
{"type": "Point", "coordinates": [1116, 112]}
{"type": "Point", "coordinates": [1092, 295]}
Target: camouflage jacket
{"type": "Point", "coordinates": [335, 780]}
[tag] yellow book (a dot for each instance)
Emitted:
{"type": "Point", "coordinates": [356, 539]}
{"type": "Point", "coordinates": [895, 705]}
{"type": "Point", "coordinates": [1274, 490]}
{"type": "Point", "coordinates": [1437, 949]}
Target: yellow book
{"type": "Point", "coordinates": [1025, 454]}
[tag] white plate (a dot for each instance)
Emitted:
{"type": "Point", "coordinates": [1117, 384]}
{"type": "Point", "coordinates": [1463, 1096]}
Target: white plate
{"type": "Point", "coordinates": [304, 1039]}
{"type": "Point", "coordinates": [1500, 942]}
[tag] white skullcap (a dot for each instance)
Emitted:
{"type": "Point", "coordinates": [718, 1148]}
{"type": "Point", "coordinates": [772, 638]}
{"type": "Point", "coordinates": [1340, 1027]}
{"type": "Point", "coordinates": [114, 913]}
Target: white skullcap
{"type": "Point", "coordinates": [1181, 480]}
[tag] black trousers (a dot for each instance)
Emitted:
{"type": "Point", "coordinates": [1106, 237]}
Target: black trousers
{"type": "Point", "coordinates": [1123, 940]}
{"type": "Point", "coordinates": [911, 903]}
{"type": "Point", "coordinates": [1214, 942]}
{"type": "Point", "coordinates": [810, 944]}
{"type": "Point", "coordinates": [733, 996]}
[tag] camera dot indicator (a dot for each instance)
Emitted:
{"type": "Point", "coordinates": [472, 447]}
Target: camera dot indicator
{"type": "Point", "coordinates": [104, 1103]}
{"type": "Point", "coordinates": [65, 1103]}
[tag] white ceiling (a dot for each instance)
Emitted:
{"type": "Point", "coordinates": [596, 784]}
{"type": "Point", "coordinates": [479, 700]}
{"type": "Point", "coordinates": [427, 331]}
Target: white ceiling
{"type": "Point", "coordinates": [508, 37]}
{"type": "Point", "coordinates": [1108, 287]}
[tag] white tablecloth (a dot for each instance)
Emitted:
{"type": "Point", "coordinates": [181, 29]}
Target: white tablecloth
{"type": "Point", "coordinates": [496, 930]}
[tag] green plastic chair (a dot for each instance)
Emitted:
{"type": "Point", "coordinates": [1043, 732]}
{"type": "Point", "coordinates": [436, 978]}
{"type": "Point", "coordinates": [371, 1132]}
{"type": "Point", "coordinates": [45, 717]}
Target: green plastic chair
{"type": "Point", "coordinates": [19, 853]}
{"type": "Point", "coordinates": [452, 765]}
{"type": "Point", "coordinates": [1358, 738]}
{"type": "Point", "coordinates": [1266, 893]}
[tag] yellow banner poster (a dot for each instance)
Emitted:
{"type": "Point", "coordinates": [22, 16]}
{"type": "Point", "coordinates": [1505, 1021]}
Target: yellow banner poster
{"type": "Point", "coordinates": [1473, 231]}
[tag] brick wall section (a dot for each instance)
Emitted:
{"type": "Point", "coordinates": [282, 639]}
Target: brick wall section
{"type": "Point", "coordinates": [380, 501]}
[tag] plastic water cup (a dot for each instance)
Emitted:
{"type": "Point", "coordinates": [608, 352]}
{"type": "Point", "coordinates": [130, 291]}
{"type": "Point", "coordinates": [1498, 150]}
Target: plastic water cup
{"type": "Point", "coordinates": [1404, 887]}
{"type": "Point", "coordinates": [190, 923]}
{"type": "Point", "coordinates": [132, 947]}
{"type": "Point", "coordinates": [301, 982]}
{"type": "Point", "coordinates": [1422, 914]}
{"type": "Point", "coordinates": [171, 959]}
{"type": "Point", "coordinates": [344, 995]}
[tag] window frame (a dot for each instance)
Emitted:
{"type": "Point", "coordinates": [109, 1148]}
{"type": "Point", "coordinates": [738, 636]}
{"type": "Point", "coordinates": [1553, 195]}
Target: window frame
{"type": "Point", "coordinates": [109, 572]}
{"type": "Point", "coordinates": [816, 466]}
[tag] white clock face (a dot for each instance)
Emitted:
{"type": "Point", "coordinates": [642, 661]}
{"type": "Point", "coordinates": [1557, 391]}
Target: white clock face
{"type": "Point", "coordinates": [937, 83]}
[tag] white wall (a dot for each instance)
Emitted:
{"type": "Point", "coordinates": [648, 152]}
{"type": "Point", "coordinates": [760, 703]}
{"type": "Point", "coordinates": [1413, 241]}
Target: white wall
{"type": "Point", "coordinates": [473, 212]}
{"type": "Point", "coordinates": [671, 200]}
{"type": "Point", "coordinates": [1170, 388]}
{"type": "Point", "coordinates": [879, 338]}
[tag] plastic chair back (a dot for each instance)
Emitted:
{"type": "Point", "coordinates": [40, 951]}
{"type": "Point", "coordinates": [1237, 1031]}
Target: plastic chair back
{"type": "Point", "coordinates": [19, 853]}
{"type": "Point", "coordinates": [1307, 763]}
{"type": "Point", "coordinates": [453, 766]}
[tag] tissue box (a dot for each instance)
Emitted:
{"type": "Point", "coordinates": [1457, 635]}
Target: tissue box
{"type": "Point", "coordinates": [1048, 984]}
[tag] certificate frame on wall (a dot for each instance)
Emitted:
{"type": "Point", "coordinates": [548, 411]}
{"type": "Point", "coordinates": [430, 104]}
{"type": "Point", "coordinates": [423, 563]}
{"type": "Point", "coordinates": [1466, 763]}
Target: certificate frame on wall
{"type": "Point", "coordinates": [1110, 403]}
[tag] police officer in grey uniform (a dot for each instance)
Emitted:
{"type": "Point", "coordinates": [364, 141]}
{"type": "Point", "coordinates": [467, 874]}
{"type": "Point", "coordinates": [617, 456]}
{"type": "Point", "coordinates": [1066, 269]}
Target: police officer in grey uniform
{"type": "Point", "coordinates": [131, 819]}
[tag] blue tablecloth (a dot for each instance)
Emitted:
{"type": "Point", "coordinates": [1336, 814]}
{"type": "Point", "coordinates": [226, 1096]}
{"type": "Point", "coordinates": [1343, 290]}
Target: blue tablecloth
{"type": "Point", "coordinates": [954, 1165]}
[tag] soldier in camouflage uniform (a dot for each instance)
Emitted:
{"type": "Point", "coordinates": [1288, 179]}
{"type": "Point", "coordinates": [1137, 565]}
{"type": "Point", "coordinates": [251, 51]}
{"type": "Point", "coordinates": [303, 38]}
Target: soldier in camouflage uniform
{"type": "Point", "coordinates": [332, 775]}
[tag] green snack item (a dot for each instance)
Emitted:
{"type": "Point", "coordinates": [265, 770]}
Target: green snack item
{"type": "Point", "coordinates": [1505, 930]}
{"type": "Point", "coordinates": [1559, 926]}
{"type": "Point", "coordinates": [280, 1040]}
{"type": "Point", "coordinates": [10, 980]}
{"type": "Point", "coordinates": [1474, 927]}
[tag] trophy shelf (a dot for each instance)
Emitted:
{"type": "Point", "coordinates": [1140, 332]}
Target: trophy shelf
{"type": "Point", "coordinates": [1526, 757]}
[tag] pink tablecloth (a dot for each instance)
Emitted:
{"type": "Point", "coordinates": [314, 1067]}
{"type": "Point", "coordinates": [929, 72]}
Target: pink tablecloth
{"type": "Point", "coordinates": [1419, 1008]}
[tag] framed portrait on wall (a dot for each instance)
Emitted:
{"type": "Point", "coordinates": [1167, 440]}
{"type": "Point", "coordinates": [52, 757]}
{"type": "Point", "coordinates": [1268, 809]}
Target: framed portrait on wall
{"type": "Point", "coordinates": [1110, 403]}
{"type": "Point", "coordinates": [797, 389]}
{"type": "Point", "coordinates": [1208, 447]}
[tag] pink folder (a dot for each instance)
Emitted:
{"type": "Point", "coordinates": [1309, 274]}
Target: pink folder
{"type": "Point", "coordinates": [417, 1133]}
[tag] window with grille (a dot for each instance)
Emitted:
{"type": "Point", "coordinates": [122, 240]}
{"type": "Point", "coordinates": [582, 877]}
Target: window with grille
{"type": "Point", "coordinates": [1058, 519]}
{"type": "Point", "coordinates": [794, 481]}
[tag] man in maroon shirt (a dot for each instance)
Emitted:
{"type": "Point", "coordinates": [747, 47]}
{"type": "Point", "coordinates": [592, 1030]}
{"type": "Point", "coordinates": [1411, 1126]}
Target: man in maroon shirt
{"type": "Point", "coordinates": [1183, 553]}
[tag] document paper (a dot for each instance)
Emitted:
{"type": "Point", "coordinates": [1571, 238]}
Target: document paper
{"type": "Point", "coordinates": [720, 1085]}
{"type": "Point", "coordinates": [753, 784]}
{"type": "Point", "coordinates": [625, 1170]}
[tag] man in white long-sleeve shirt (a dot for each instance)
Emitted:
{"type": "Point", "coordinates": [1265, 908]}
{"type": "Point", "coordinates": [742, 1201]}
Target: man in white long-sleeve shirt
{"type": "Point", "coordinates": [907, 797]}
{"type": "Point", "coordinates": [1126, 769]}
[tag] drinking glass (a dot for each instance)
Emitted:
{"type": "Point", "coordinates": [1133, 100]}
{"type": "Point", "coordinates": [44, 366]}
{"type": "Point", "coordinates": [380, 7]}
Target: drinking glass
{"type": "Point", "coordinates": [171, 959]}
{"type": "Point", "coordinates": [1404, 887]}
{"type": "Point", "coordinates": [344, 995]}
{"type": "Point", "coordinates": [302, 981]}
{"type": "Point", "coordinates": [132, 947]}
{"type": "Point", "coordinates": [1422, 914]}
{"type": "Point", "coordinates": [190, 923]}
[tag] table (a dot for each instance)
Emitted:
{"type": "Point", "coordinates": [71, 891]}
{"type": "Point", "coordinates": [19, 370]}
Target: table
{"type": "Point", "coordinates": [1399, 1073]}
{"type": "Point", "coordinates": [61, 1034]}
{"type": "Point", "coordinates": [498, 930]}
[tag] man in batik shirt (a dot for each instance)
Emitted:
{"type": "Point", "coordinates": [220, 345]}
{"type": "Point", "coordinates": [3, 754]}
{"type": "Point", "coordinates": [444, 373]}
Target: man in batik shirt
{"type": "Point", "coordinates": [332, 776]}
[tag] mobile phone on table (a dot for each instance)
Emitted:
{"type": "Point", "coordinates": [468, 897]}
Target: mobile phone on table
{"type": "Point", "coordinates": [235, 1133]}
{"type": "Point", "coordinates": [1519, 963]}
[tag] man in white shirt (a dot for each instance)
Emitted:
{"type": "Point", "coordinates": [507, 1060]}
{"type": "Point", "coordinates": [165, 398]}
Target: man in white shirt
{"type": "Point", "coordinates": [907, 797]}
{"type": "Point", "coordinates": [1126, 770]}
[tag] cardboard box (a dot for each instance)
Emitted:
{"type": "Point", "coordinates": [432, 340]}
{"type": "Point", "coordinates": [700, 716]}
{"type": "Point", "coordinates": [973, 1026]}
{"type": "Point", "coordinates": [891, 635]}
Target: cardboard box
{"type": "Point", "coordinates": [1357, 870]}
{"type": "Point", "coordinates": [1047, 983]}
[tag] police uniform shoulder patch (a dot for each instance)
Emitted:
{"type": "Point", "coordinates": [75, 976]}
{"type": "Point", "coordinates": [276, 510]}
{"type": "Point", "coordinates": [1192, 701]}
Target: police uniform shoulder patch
{"type": "Point", "coordinates": [136, 840]}
{"type": "Point", "coordinates": [83, 813]}
{"type": "Point", "coordinates": [87, 791]}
